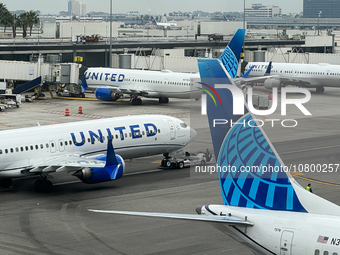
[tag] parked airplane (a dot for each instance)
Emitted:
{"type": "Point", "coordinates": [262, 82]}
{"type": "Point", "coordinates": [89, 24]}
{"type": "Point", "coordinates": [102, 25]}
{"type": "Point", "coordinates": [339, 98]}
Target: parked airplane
{"type": "Point", "coordinates": [166, 25]}
{"type": "Point", "coordinates": [264, 207]}
{"type": "Point", "coordinates": [86, 147]}
{"type": "Point", "coordinates": [303, 75]}
{"type": "Point", "coordinates": [112, 83]}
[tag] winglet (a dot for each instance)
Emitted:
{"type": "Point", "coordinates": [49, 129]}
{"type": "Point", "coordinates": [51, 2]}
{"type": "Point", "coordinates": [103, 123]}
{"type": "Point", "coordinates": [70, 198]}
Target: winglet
{"type": "Point", "coordinates": [84, 84]}
{"type": "Point", "coordinates": [111, 159]}
{"type": "Point", "coordinates": [248, 72]}
{"type": "Point", "coordinates": [153, 21]}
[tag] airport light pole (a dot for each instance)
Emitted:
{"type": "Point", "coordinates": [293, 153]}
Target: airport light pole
{"type": "Point", "coordinates": [244, 14]}
{"type": "Point", "coordinates": [110, 57]}
{"type": "Point", "coordinates": [319, 22]}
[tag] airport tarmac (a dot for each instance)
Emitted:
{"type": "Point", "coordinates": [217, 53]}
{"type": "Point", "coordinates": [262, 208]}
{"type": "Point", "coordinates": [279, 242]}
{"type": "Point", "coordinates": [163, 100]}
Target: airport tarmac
{"type": "Point", "coordinates": [59, 223]}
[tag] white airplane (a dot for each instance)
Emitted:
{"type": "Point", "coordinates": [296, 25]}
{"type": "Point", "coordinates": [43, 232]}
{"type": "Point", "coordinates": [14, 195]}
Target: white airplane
{"type": "Point", "coordinates": [166, 25]}
{"type": "Point", "coordinates": [86, 147]}
{"type": "Point", "coordinates": [112, 83]}
{"type": "Point", "coordinates": [302, 75]}
{"type": "Point", "coordinates": [264, 207]}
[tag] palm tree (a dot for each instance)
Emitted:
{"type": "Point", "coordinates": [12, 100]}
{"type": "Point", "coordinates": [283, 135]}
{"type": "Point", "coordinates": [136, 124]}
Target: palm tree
{"type": "Point", "coordinates": [22, 21]}
{"type": "Point", "coordinates": [2, 8]}
{"type": "Point", "coordinates": [32, 19]}
{"type": "Point", "coordinates": [13, 22]}
{"type": "Point", "coordinates": [6, 19]}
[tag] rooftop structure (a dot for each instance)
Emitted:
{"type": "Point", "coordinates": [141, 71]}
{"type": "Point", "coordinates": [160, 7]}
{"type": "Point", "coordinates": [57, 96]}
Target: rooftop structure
{"type": "Point", "coordinates": [261, 11]}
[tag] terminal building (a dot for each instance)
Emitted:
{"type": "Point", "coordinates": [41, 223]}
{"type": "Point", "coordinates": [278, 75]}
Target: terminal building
{"type": "Point", "coordinates": [261, 11]}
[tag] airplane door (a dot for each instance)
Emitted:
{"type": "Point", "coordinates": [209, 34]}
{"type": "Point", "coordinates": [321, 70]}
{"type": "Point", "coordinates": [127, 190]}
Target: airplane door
{"type": "Point", "coordinates": [286, 243]}
{"type": "Point", "coordinates": [52, 146]}
{"type": "Point", "coordinates": [172, 130]}
{"type": "Point", "coordinates": [61, 145]}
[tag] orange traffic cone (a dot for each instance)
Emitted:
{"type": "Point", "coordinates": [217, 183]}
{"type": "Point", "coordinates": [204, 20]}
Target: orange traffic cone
{"type": "Point", "coordinates": [67, 112]}
{"type": "Point", "coordinates": [80, 111]}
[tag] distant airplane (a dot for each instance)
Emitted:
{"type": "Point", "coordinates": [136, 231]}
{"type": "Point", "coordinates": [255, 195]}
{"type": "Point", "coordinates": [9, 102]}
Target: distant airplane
{"type": "Point", "coordinates": [87, 148]}
{"type": "Point", "coordinates": [112, 83]}
{"type": "Point", "coordinates": [302, 75]}
{"type": "Point", "coordinates": [166, 25]}
{"type": "Point", "coordinates": [264, 207]}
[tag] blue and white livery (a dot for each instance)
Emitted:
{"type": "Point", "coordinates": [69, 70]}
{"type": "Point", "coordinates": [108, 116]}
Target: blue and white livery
{"type": "Point", "coordinates": [111, 83]}
{"type": "Point", "coordinates": [316, 76]}
{"type": "Point", "coordinates": [94, 150]}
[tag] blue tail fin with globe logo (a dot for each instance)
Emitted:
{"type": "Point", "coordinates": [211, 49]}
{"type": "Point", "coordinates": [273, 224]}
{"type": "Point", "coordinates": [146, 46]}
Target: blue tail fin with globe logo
{"type": "Point", "coordinates": [232, 53]}
{"type": "Point", "coordinates": [250, 171]}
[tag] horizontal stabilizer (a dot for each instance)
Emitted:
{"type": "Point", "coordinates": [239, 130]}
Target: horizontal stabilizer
{"type": "Point", "coordinates": [221, 219]}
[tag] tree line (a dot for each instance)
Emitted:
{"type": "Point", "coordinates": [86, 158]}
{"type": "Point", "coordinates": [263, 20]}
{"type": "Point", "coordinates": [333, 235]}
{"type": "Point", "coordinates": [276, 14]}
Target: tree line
{"type": "Point", "coordinates": [25, 20]}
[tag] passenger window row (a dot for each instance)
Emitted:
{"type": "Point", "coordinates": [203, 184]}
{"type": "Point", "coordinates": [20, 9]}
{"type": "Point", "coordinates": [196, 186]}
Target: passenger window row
{"type": "Point", "coordinates": [161, 82]}
{"type": "Point", "coordinates": [30, 147]}
{"type": "Point", "coordinates": [62, 143]}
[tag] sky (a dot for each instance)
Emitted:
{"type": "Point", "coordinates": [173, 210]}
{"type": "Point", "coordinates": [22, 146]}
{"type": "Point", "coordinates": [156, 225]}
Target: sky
{"type": "Point", "coordinates": [150, 6]}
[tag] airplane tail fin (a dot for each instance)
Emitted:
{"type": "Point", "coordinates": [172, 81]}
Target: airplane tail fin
{"type": "Point", "coordinates": [232, 53]}
{"type": "Point", "coordinates": [153, 21]}
{"type": "Point", "coordinates": [83, 84]}
{"type": "Point", "coordinates": [269, 68]}
{"type": "Point", "coordinates": [251, 172]}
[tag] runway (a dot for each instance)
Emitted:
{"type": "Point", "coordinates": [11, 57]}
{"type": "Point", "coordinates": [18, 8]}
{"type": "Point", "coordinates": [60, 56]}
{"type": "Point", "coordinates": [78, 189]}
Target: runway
{"type": "Point", "coordinates": [59, 222]}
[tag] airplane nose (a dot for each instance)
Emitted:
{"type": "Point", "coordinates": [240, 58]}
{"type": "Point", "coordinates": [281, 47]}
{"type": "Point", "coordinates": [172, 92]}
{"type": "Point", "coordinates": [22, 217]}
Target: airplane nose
{"type": "Point", "coordinates": [193, 133]}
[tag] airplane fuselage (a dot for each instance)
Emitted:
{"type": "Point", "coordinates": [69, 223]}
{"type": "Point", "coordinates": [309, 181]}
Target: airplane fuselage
{"type": "Point", "coordinates": [312, 75]}
{"type": "Point", "coordinates": [133, 136]}
{"type": "Point", "coordinates": [153, 84]}
{"type": "Point", "coordinates": [281, 232]}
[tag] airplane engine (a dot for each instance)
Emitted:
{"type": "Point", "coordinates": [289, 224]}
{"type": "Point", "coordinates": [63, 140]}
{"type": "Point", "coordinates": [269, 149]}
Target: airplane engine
{"type": "Point", "coordinates": [102, 174]}
{"type": "Point", "coordinates": [272, 83]}
{"type": "Point", "coordinates": [106, 94]}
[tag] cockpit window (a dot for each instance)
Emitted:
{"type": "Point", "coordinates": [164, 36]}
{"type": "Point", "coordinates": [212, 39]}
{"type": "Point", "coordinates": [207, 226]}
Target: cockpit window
{"type": "Point", "coordinates": [183, 125]}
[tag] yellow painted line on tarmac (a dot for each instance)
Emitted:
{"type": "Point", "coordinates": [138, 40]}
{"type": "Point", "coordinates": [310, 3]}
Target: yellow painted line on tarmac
{"type": "Point", "coordinates": [79, 98]}
{"type": "Point", "coordinates": [144, 172]}
{"type": "Point", "coordinates": [299, 175]}
{"type": "Point", "coordinates": [73, 98]}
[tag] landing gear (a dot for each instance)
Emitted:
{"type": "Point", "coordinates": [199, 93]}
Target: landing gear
{"type": "Point", "coordinates": [320, 89]}
{"type": "Point", "coordinates": [5, 183]}
{"type": "Point", "coordinates": [136, 101]}
{"type": "Point", "coordinates": [43, 185]}
{"type": "Point", "coordinates": [180, 164]}
{"type": "Point", "coordinates": [163, 100]}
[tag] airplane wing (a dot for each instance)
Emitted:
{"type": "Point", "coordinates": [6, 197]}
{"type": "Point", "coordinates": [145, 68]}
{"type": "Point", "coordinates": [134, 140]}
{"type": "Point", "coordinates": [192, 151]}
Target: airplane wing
{"type": "Point", "coordinates": [220, 219]}
{"type": "Point", "coordinates": [260, 79]}
{"type": "Point", "coordinates": [65, 163]}
{"type": "Point", "coordinates": [301, 82]}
